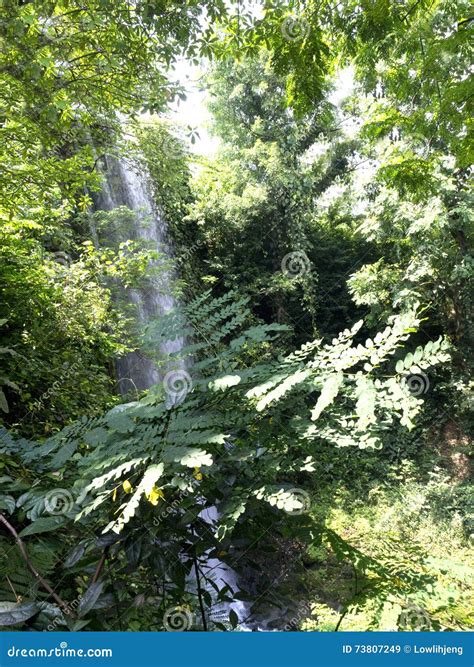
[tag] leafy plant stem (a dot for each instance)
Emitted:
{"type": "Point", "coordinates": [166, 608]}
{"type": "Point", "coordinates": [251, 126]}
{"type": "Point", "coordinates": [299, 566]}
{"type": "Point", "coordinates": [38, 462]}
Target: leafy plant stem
{"type": "Point", "coordinates": [31, 567]}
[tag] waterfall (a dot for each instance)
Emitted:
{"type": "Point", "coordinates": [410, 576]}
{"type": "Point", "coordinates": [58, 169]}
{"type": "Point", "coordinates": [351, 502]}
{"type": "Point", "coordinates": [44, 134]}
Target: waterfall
{"type": "Point", "coordinates": [127, 184]}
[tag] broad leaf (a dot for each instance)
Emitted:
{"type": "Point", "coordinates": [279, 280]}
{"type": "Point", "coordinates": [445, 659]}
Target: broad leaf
{"type": "Point", "coordinates": [89, 598]}
{"type": "Point", "coordinates": [43, 525]}
{"type": "Point", "coordinates": [12, 613]}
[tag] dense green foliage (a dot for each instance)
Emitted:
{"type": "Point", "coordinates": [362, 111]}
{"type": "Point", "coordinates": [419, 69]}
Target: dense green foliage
{"type": "Point", "coordinates": [257, 228]}
{"type": "Point", "coordinates": [320, 402]}
{"type": "Point", "coordinates": [274, 413]}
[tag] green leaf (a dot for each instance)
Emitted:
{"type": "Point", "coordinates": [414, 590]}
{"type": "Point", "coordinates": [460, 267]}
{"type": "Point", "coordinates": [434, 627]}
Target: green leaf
{"type": "Point", "coordinates": [150, 477]}
{"type": "Point", "coordinates": [195, 458]}
{"type": "Point", "coordinates": [220, 626]}
{"type": "Point", "coordinates": [44, 524]}
{"type": "Point", "coordinates": [224, 382]}
{"type": "Point", "coordinates": [3, 402]}
{"type": "Point", "coordinates": [75, 555]}
{"type": "Point", "coordinates": [418, 356]}
{"type": "Point", "coordinates": [11, 613]}
{"type": "Point", "coordinates": [89, 598]}
{"type": "Point", "coordinates": [233, 618]}
{"type": "Point", "coordinates": [120, 422]}
{"type": "Point", "coordinates": [78, 625]}
{"type": "Point", "coordinates": [328, 394]}
{"type": "Point", "coordinates": [408, 361]}
{"type": "Point", "coordinates": [7, 503]}
{"type": "Point", "coordinates": [63, 455]}
{"type": "Point", "coordinates": [96, 436]}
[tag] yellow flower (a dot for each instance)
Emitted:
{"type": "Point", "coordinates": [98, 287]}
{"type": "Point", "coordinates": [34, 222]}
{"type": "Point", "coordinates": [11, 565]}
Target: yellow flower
{"type": "Point", "coordinates": [127, 487]}
{"type": "Point", "coordinates": [155, 495]}
{"type": "Point", "coordinates": [197, 474]}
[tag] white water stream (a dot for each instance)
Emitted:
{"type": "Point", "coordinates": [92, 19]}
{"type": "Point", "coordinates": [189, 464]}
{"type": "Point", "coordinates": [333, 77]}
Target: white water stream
{"type": "Point", "coordinates": [124, 184]}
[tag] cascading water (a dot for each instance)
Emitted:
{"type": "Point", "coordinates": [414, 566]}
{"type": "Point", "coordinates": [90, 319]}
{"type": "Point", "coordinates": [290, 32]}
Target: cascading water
{"type": "Point", "coordinates": [126, 184]}
{"type": "Point", "coordinates": [223, 575]}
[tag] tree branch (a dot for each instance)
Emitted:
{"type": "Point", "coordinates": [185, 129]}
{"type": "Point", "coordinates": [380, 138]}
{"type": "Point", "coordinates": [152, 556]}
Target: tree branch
{"type": "Point", "coordinates": [100, 565]}
{"type": "Point", "coordinates": [199, 591]}
{"type": "Point", "coordinates": [30, 565]}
